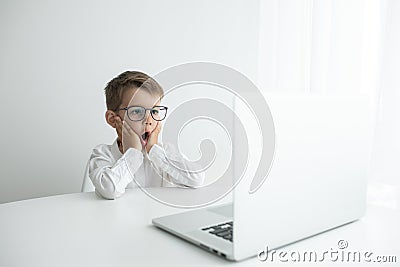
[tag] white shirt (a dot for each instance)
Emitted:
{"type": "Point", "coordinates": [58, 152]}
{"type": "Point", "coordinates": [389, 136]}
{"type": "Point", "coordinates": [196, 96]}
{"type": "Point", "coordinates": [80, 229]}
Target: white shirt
{"type": "Point", "coordinates": [111, 171]}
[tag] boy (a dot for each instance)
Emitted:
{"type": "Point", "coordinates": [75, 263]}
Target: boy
{"type": "Point", "coordinates": [134, 111]}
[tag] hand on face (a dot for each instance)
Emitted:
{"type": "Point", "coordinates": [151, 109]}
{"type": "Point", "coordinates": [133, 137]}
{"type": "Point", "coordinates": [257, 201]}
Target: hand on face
{"type": "Point", "coordinates": [153, 137]}
{"type": "Point", "coordinates": [129, 138]}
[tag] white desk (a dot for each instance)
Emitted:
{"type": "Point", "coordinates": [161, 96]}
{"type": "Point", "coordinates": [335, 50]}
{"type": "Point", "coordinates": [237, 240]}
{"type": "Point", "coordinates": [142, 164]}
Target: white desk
{"type": "Point", "coordinates": [84, 230]}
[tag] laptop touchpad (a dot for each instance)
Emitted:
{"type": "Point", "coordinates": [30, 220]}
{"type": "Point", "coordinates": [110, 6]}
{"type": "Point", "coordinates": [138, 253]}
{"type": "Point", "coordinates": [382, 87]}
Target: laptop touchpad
{"type": "Point", "coordinates": [224, 210]}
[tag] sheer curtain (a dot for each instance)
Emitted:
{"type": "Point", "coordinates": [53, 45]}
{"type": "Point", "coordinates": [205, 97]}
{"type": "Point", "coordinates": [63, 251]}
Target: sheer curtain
{"type": "Point", "coordinates": [339, 46]}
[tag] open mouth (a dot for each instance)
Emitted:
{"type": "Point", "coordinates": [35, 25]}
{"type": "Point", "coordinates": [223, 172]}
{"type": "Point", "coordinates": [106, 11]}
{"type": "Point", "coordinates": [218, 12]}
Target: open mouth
{"type": "Point", "coordinates": [145, 137]}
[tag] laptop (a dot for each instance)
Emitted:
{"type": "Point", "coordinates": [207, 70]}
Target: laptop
{"type": "Point", "coordinates": [317, 180]}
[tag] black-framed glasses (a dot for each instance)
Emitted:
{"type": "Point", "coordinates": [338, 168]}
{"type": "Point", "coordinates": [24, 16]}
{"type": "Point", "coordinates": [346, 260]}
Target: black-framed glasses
{"type": "Point", "coordinates": [138, 113]}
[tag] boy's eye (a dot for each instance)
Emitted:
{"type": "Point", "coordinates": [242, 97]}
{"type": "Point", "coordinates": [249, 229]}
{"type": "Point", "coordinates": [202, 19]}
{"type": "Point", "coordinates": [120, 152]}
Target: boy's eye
{"type": "Point", "coordinates": [136, 111]}
{"type": "Point", "coordinates": [154, 111]}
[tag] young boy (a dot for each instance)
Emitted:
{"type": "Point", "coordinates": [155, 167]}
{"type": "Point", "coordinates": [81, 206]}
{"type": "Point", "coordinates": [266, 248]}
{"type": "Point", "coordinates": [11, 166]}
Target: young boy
{"type": "Point", "coordinates": [134, 111]}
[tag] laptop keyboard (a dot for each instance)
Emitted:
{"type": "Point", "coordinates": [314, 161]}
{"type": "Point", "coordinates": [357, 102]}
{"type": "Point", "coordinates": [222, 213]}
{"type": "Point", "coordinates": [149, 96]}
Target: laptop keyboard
{"type": "Point", "coordinates": [223, 230]}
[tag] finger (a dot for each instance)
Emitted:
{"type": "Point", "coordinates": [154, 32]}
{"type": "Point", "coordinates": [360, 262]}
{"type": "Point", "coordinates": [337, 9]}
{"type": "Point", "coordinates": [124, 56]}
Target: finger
{"type": "Point", "coordinates": [118, 128]}
{"type": "Point", "coordinates": [118, 120]}
{"type": "Point", "coordinates": [119, 123]}
{"type": "Point", "coordinates": [155, 131]}
{"type": "Point", "coordinates": [124, 130]}
{"type": "Point", "coordinates": [158, 128]}
{"type": "Point", "coordinates": [128, 128]}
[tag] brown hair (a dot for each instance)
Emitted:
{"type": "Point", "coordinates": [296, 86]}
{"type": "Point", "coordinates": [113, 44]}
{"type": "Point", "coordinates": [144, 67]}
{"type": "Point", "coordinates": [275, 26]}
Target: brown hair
{"type": "Point", "coordinates": [127, 80]}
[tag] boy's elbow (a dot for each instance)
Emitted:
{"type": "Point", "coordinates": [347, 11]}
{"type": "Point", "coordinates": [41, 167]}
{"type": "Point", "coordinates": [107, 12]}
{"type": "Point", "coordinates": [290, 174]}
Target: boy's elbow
{"type": "Point", "coordinates": [198, 180]}
{"type": "Point", "coordinates": [107, 190]}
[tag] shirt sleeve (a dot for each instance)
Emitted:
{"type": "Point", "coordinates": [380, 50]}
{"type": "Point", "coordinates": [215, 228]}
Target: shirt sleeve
{"type": "Point", "coordinates": [174, 167]}
{"type": "Point", "coordinates": [111, 177]}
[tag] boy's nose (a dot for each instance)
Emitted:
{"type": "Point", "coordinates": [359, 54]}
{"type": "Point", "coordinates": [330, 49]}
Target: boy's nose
{"type": "Point", "coordinates": [148, 119]}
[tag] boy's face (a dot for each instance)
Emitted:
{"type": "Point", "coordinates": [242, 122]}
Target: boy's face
{"type": "Point", "coordinates": [135, 97]}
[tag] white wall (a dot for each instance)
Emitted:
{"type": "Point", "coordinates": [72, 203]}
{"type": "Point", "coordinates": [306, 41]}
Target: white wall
{"type": "Point", "coordinates": [56, 57]}
{"type": "Point", "coordinates": [385, 169]}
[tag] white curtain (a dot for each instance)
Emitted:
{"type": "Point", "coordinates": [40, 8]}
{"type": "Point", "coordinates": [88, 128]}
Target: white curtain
{"type": "Point", "coordinates": [330, 46]}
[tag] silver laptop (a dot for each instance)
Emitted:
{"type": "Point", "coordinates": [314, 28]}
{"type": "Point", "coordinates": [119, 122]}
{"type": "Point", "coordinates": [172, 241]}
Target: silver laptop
{"type": "Point", "coordinates": [317, 181]}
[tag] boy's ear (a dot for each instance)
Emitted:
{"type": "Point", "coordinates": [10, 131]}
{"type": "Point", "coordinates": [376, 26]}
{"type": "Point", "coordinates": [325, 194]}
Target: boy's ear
{"type": "Point", "coordinates": [110, 118]}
